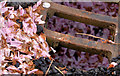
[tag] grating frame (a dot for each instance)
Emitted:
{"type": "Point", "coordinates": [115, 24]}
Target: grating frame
{"type": "Point", "coordinates": [56, 39]}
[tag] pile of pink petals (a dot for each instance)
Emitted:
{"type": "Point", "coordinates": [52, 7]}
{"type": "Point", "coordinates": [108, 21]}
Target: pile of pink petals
{"type": "Point", "coordinates": [20, 44]}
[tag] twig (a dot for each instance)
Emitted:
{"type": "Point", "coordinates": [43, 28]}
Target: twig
{"type": "Point", "coordinates": [91, 36]}
{"type": "Point", "coordinates": [48, 68]}
{"type": "Point", "coordinates": [62, 68]}
{"type": "Point", "coordinates": [106, 40]}
{"type": "Point", "coordinates": [59, 70]}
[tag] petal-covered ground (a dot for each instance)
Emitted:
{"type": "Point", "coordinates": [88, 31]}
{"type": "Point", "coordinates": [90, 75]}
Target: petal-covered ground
{"type": "Point", "coordinates": [24, 50]}
{"type": "Point", "coordinates": [19, 43]}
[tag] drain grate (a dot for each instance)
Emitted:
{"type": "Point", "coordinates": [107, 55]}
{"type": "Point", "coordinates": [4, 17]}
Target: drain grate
{"type": "Point", "coordinates": [57, 39]}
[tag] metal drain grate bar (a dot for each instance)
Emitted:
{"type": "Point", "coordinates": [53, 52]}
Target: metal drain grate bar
{"type": "Point", "coordinates": [117, 35]}
{"type": "Point", "coordinates": [55, 39]}
{"type": "Point", "coordinates": [83, 16]}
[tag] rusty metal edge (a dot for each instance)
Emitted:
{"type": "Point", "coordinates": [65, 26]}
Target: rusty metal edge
{"type": "Point", "coordinates": [57, 39]}
{"type": "Point", "coordinates": [78, 15]}
{"type": "Point", "coordinates": [117, 35]}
